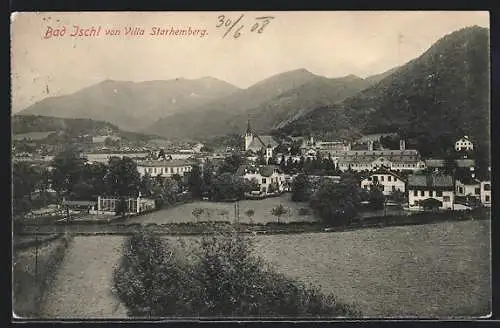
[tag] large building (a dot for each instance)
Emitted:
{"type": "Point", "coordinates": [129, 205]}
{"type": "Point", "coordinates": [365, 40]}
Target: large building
{"type": "Point", "coordinates": [389, 182]}
{"type": "Point", "coordinates": [362, 160]}
{"type": "Point", "coordinates": [164, 168]}
{"type": "Point", "coordinates": [425, 187]}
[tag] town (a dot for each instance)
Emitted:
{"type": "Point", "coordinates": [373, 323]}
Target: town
{"type": "Point", "coordinates": [341, 173]}
{"type": "Point", "coordinates": [262, 166]}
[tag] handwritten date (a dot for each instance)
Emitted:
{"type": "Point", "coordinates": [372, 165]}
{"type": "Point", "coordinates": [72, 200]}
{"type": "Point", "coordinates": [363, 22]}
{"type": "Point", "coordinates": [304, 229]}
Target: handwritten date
{"type": "Point", "coordinates": [229, 25]}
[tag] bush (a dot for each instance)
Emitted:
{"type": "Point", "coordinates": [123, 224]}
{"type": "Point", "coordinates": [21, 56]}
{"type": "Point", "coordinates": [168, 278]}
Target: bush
{"type": "Point", "coordinates": [221, 278]}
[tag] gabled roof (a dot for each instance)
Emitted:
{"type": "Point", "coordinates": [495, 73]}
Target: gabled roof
{"type": "Point", "coordinates": [439, 181]}
{"type": "Point", "coordinates": [262, 142]}
{"type": "Point", "coordinates": [387, 171]}
{"type": "Point", "coordinates": [264, 170]}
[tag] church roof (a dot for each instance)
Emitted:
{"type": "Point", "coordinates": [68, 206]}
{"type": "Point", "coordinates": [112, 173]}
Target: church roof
{"type": "Point", "coordinates": [259, 142]}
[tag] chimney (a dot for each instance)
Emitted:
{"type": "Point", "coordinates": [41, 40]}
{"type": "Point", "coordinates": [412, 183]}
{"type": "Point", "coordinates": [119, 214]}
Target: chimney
{"type": "Point", "coordinates": [402, 144]}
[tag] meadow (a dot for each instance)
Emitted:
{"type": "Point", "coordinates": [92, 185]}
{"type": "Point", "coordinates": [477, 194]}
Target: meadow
{"type": "Point", "coordinates": [437, 270]}
{"type": "Point", "coordinates": [218, 211]}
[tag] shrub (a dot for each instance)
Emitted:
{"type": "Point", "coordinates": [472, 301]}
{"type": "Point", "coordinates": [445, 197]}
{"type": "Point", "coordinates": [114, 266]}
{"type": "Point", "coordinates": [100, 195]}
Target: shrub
{"type": "Point", "coordinates": [221, 278]}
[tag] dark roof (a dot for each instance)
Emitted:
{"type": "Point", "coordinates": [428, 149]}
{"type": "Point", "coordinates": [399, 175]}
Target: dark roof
{"type": "Point", "coordinates": [440, 181]}
{"type": "Point", "coordinates": [387, 171]}
{"type": "Point", "coordinates": [264, 170]}
{"type": "Point", "coordinates": [165, 163]}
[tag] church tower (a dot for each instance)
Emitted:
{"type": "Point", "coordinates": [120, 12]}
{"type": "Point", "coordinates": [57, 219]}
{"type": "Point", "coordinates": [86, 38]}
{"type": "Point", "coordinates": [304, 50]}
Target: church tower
{"type": "Point", "coordinates": [248, 136]}
{"type": "Point", "coordinates": [269, 153]}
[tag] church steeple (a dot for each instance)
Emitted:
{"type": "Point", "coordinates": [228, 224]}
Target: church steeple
{"type": "Point", "coordinates": [249, 129]}
{"type": "Point", "coordinates": [248, 136]}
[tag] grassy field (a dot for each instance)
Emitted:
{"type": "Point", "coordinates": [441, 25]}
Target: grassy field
{"type": "Point", "coordinates": [436, 270]}
{"type": "Point", "coordinates": [213, 211]}
{"type": "Point", "coordinates": [82, 287]}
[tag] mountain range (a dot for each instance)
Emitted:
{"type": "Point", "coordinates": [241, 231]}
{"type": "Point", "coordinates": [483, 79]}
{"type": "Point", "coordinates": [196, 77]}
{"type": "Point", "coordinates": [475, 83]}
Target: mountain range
{"type": "Point", "coordinates": [443, 91]}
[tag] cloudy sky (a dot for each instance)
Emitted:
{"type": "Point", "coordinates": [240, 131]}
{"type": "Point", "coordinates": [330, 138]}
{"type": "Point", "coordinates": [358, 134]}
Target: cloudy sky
{"type": "Point", "coordinates": [332, 44]}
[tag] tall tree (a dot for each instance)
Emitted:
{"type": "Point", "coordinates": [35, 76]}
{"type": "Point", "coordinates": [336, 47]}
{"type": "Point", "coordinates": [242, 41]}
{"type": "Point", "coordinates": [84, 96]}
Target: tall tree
{"type": "Point", "coordinates": [67, 171]}
{"type": "Point", "coordinates": [195, 182]}
{"type": "Point", "coordinates": [122, 178]}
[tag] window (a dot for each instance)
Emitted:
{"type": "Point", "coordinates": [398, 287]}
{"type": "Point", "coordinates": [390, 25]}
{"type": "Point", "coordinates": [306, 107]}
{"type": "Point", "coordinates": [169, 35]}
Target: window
{"type": "Point", "coordinates": [430, 193]}
{"type": "Point", "coordinates": [439, 193]}
{"type": "Point", "coordinates": [487, 198]}
{"type": "Point", "coordinates": [263, 180]}
{"type": "Point", "coordinates": [393, 188]}
{"type": "Point", "coordinates": [415, 193]}
{"type": "Point", "coordinates": [389, 178]}
{"type": "Point", "coordinates": [477, 191]}
{"type": "Point", "coordinates": [460, 190]}
{"type": "Point", "coordinates": [382, 178]}
{"type": "Point", "coordinates": [487, 187]}
{"type": "Point", "coordinates": [446, 198]}
{"type": "Point", "coordinates": [422, 193]}
{"type": "Point", "coordinates": [366, 186]}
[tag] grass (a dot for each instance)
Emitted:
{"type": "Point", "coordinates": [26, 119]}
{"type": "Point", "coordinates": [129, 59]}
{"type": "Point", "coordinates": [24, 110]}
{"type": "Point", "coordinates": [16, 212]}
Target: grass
{"type": "Point", "coordinates": [82, 288]}
{"type": "Point", "coordinates": [437, 270]}
{"type": "Point", "coordinates": [226, 212]}
{"type": "Point", "coordinates": [33, 272]}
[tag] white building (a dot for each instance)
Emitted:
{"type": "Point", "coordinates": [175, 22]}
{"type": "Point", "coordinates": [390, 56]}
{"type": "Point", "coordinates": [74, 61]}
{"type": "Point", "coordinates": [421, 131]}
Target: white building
{"type": "Point", "coordinates": [164, 168]}
{"type": "Point", "coordinates": [422, 187]}
{"type": "Point", "coordinates": [468, 187]}
{"type": "Point", "coordinates": [268, 177]}
{"type": "Point", "coordinates": [389, 181]}
{"type": "Point", "coordinates": [464, 144]}
{"type": "Point", "coordinates": [395, 160]}
{"type": "Point", "coordinates": [486, 193]}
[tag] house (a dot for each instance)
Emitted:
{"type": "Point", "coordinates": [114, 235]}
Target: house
{"type": "Point", "coordinates": [463, 163]}
{"type": "Point", "coordinates": [164, 168]}
{"type": "Point", "coordinates": [257, 143]}
{"type": "Point", "coordinates": [464, 144]}
{"type": "Point", "coordinates": [425, 187]}
{"type": "Point", "coordinates": [268, 178]}
{"type": "Point", "coordinates": [485, 193]}
{"type": "Point", "coordinates": [389, 181]}
{"type": "Point", "coordinates": [467, 187]}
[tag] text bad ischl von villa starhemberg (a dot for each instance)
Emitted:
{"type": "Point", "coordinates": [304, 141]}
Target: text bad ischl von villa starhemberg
{"type": "Point", "coordinates": [97, 31]}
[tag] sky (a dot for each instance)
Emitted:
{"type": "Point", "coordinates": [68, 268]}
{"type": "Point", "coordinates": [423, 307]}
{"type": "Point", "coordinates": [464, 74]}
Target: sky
{"type": "Point", "coordinates": [331, 44]}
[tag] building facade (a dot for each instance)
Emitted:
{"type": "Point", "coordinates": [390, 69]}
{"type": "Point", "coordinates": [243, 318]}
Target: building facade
{"type": "Point", "coordinates": [395, 160]}
{"type": "Point", "coordinates": [269, 178]}
{"type": "Point", "coordinates": [387, 180]}
{"type": "Point", "coordinates": [164, 168]}
{"type": "Point", "coordinates": [424, 187]}
{"type": "Point", "coordinates": [486, 193]}
{"type": "Point", "coordinates": [464, 144]}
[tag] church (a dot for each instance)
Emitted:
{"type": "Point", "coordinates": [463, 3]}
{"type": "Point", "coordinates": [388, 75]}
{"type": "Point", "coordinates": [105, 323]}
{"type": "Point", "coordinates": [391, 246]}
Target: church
{"type": "Point", "coordinates": [256, 143]}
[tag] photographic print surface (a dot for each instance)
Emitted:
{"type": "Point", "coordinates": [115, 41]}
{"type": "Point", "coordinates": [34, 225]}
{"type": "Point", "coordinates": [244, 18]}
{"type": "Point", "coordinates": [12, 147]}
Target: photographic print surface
{"type": "Point", "coordinates": [251, 165]}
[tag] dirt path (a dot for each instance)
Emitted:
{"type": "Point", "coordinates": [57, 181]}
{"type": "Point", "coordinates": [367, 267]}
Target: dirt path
{"type": "Point", "coordinates": [82, 288]}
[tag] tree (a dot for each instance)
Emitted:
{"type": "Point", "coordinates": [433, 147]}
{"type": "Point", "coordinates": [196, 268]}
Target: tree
{"type": "Point", "coordinates": [195, 182]}
{"type": "Point", "coordinates": [227, 187]}
{"type": "Point", "coordinates": [231, 164]}
{"type": "Point", "coordinates": [122, 180]}
{"type": "Point", "coordinates": [250, 213]}
{"type": "Point", "coordinates": [146, 186]}
{"type": "Point", "coordinates": [221, 278]}
{"type": "Point", "coordinates": [93, 174]}
{"type": "Point", "coordinates": [67, 171]}
{"type": "Point", "coordinates": [148, 279]}
{"type": "Point", "coordinates": [24, 182]}
{"type": "Point", "coordinates": [279, 211]}
{"type": "Point", "coordinates": [335, 203]}
{"type": "Point", "coordinates": [300, 188]}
